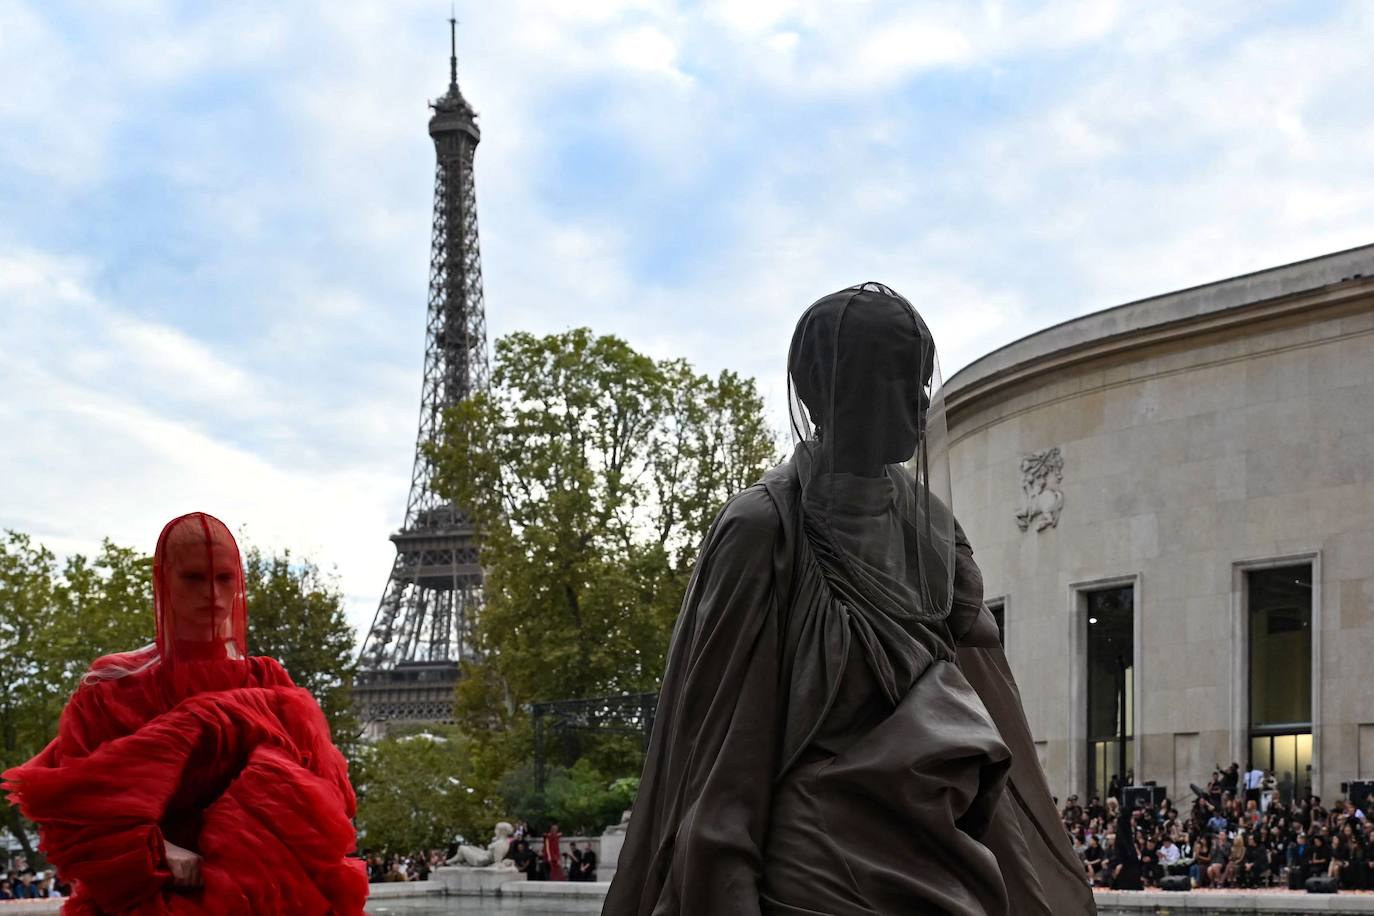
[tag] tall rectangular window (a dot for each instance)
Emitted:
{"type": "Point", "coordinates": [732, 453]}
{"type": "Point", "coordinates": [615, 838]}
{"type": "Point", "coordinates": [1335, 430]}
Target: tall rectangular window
{"type": "Point", "coordinates": [1111, 699]}
{"type": "Point", "coordinates": [1279, 621]}
{"type": "Point", "coordinates": [998, 607]}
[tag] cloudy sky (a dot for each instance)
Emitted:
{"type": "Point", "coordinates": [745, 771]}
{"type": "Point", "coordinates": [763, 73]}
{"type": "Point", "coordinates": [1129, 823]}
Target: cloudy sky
{"type": "Point", "coordinates": [214, 218]}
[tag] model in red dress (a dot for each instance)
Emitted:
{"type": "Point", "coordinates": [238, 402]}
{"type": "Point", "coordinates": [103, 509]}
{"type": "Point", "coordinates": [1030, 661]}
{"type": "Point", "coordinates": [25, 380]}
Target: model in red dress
{"type": "Point", "coordinates": [553, 853]}
{"type": "Point", "coordinates": [186, 776]}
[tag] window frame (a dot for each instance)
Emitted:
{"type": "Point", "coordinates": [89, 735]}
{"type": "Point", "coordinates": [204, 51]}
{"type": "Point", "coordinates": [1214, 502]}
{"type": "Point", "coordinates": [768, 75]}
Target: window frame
{"type": "Point", "coordinates": [1240, 655]}
{"type": "Point", "coordinates": [1078, 686]}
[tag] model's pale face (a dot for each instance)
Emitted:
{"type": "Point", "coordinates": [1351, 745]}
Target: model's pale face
{"type": "Point", "coordinates": [201, 585]}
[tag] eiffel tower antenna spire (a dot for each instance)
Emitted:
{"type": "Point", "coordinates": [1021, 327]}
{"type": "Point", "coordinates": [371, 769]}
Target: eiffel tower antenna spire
{"type": "Point", "coordinates": [453, 48]}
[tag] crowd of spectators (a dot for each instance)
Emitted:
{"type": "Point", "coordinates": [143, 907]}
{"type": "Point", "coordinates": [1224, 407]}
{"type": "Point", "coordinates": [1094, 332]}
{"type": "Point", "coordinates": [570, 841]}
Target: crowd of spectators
{"type": "Point", "coordinates": [20, 881]}
{"type": "Point", "coordinates": [413, 867]}
{"type": "Point", "coordinates": [1240, 831]}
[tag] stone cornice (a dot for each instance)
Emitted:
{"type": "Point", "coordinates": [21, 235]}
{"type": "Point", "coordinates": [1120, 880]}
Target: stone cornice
{"type": "Point", "coordinates": [1249, 299]}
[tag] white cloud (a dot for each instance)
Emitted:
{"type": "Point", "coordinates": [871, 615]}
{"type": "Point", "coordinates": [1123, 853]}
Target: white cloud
{"type": "Point", "coordinates": [649, 49]}
{"type": "Point", "coordinates": [125, 424]}
{"type": "Point", "coordinates": [53, 123]}
{"type": "Point", "coordinates": [239, 200]}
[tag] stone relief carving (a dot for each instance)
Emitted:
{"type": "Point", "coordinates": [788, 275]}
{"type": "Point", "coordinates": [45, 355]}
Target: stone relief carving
{"type": "Point", "coordinates": [1041, 472]}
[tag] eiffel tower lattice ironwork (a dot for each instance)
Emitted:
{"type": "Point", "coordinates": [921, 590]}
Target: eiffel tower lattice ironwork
{"type": "Point", "coordinates": [409, 661]}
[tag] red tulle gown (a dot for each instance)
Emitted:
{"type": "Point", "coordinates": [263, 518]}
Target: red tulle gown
{"type": "Point", "coordinates": [189, 747]}
{"type": "Point", "coordinates": [553, 854]}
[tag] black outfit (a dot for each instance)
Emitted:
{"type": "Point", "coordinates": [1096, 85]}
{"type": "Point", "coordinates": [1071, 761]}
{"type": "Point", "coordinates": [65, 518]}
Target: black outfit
{"type": "Point", "coordinates": [523, 859]}
{"type": "Point", "coordinates": [1093, 856]}
{"type": "Point", "coordinates": [1149, 865]}
{"type": "Point", "coordinates": [1318, 860]}
{"type": "Point", "coordinates": [1127, 856]}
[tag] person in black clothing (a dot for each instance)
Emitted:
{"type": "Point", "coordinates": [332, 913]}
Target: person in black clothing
{"type": "Point", "coordinates": [1127, 872]}
{"type": "Point", "coordinates": [1342, 854]}
{"type": "Point", "coordinates": [1094, 855]}
{"type": "Point", "coordinates": [1318, 857]}
{"type": "Point", "coordinates": [1230, 779]}
{"type": "Point", "coordinates": [1073, 812]}
{"type": "Point", "coordinates": [1149, 863]}
{"type": "Point", "coordinates": [575, 869]}
{"type": "Point", "coordinates": [1366, 859]}
{"type": "Point", "coordinates": [525, 860]}
{"type": "Point", "coordinates": [1202, 861]}
{"type": "Point", "coordinates": [1318, 812]}
{"type": "Point", "coordinates": [1255, 863]}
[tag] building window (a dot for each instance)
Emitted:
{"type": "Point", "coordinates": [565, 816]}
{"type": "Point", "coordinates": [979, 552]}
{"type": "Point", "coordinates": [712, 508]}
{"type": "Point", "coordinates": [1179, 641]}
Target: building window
{"type": "Point", "coordinates": [998, 607]}
{"type": "Point", "coordinates": [1279, 620]}
{"type": "Point", "coordinates": [1111, 698]}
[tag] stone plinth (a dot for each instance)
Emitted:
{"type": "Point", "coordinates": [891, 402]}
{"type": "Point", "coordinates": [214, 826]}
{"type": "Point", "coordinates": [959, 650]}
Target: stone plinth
{"type": "Point", "coordinates": [1228, 903]}
{"type": "Point", "coordinates": [385, 890]}
{"type": "Point", "coordinates": [31, 907]}
{"type": "Point", "coordinates": [611, 844]}
{"type": "Point", "coordinates": [592, 890]}
{"type": "Point", "coordinates": [462, 881]}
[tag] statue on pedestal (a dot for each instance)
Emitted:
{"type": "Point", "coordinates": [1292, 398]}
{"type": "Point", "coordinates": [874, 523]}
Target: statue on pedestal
{"type": "Point", "coordinates": [493, 856]}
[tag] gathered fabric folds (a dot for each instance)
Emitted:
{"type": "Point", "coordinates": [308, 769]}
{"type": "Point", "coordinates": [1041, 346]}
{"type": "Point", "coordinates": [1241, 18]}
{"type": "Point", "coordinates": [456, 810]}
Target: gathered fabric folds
{"type": "Point", "coordinates": [781, 778]}
{"type": "Point", "coordinates": [226, 758]}
{"type": "Point", "coordinates": [892, 823]}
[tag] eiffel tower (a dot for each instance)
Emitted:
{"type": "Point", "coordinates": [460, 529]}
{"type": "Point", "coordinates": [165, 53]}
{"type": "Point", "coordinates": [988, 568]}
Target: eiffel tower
{"type": "Point", "coordinates": [409, 661]}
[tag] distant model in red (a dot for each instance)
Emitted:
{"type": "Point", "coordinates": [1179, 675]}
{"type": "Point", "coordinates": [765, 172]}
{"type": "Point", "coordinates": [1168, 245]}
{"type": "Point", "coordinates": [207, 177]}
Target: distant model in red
{"type": "Point", "coordinates": [553, 853]}
{"type": "Point", "coordinates": [187, 777]}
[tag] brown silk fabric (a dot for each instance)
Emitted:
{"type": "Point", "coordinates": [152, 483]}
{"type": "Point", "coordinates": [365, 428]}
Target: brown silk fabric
{"type": "Point", "coordinates": [780, 778]}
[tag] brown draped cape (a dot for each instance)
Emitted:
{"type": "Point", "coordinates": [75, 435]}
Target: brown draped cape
{"type": "Point", "coordinates": [756, 662]}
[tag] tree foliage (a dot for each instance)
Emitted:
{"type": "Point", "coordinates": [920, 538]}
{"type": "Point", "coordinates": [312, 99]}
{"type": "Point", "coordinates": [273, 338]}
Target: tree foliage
{"type": "Point", "coordinates": [415, 792]}
{"type": "Point", "coordinates": [593, 472]}
{"type": "Point", "coordinates": [296, 615]}
{"type": "Point", "coordinates": [53, 623]}
{"type": "Point", "coordinates": [579, 798]}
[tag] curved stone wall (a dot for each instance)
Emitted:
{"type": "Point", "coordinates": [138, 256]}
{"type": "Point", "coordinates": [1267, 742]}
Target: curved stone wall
{"type": "Point", "coordinates": [1172, 444]}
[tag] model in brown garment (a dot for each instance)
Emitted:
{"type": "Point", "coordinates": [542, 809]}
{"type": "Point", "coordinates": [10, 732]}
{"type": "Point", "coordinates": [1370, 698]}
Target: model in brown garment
{"type": "Point", "coordinates": [838, 731]}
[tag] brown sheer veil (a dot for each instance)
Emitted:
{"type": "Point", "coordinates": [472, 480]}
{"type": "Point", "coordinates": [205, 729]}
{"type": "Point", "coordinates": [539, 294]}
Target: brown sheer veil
{"type": "Point", "coordinates": [868, 418]}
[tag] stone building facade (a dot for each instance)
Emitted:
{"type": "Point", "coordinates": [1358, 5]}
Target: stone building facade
{"type": "Point", "coordinates": [1172, 503]}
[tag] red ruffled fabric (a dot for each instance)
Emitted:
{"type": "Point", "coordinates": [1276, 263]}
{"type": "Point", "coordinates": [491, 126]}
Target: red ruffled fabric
{"type": "Point", "coordinates": [226, 758]}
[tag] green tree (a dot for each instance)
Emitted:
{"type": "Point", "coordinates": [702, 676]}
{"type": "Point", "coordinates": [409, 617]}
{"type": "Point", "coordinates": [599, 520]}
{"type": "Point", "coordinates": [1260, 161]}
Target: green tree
{"type": "Point", "coordinates": [592, 472]}
{"type": "Point", "coordinates": [103, 606]}
{"type": "Point", "coordinates": [580, 799]}
{"type": "Point", "coordinates": [296, 615]}
{"type": "Point", "coordinates": [52, 626]}
{"type": "Point", "coordinates": [415, 792]}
